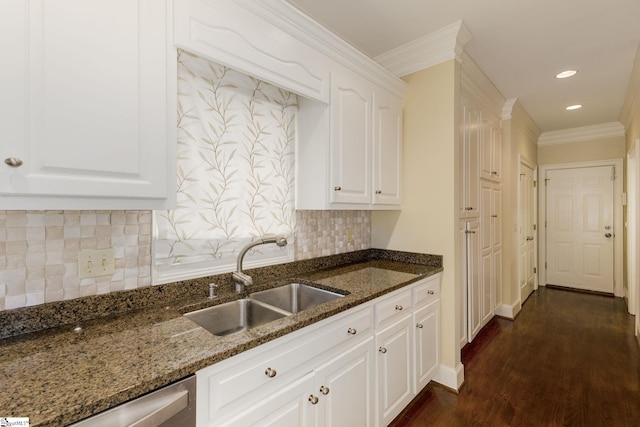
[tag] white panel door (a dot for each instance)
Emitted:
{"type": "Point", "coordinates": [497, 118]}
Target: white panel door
{"type": "Point", "coordinates": [474, 271]}
{"type": "Point", "coordinates": [580, 228]}
{"type": "Point", "coordinates": [427, 324]}
{"type": "Point", "coordinates": [387, 139]}
{"type": "Point", "coordinates": [526, 233]}
{"type": "Point", "coordinates": [394, 368]}
{"type": "Point", "coordinates": [345, 388]}
{"type": "Point", "coordinates": [471, 136]}
{"type": "Point", "coordinates": [85, 104]}
{"type": "Point", "coordinates": [351, 139]}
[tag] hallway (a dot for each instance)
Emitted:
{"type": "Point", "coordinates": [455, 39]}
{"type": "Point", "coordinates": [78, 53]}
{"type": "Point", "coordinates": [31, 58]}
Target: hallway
{"type": "Point", "coordinates": [569, 359]}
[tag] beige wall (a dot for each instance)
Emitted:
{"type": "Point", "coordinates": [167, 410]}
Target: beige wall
{"type": "Point", "coordinates": [520, 137]}
{"type": "Point", "coordinates": [427, 222]}
{"type": "Point", "coordinates": [583, 151]}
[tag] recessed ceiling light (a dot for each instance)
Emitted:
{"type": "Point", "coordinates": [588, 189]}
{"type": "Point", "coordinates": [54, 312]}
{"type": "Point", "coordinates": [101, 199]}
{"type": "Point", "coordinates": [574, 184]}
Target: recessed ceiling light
{"type": "Point", "coordinates": [567, 73]}
{"type": "Point", "coordinates": [574, 107]}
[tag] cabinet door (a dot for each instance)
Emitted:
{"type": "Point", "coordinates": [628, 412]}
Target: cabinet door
{"type": "Point", "coordinates": [474, 271]}
{"type": "Point", "coordinates": [289, 407]}
{"type": "Point", "coordinates": [471, 137]}
{"type": "Point", "coordinates": [345, 386]}
{"type": "Point", "coordinates": [394, 368]}
{"type": "Point", "coordinates": [486, 252]}
{"type": "Point", "coordinates": [350, 139]}
{"type": "Point", "coordinates": [496, 151]}
{"type": "Point", "coordinates": [88, 103]}
{"type": "Point", "coordinates": [387, 140]}
{"type": "Point", "coordinates": [427, 325]}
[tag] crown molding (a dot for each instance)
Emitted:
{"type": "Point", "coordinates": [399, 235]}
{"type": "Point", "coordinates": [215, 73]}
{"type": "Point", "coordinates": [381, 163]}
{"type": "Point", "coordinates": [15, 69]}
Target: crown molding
{"type": "Point", "coordinates": [585, 133]}
{"type": "Point", "coordinates": [290, 19]}
{"type": "Point", "coordinates": [519, 117]}
{"type": "Point", "coordinates": [440, 46]}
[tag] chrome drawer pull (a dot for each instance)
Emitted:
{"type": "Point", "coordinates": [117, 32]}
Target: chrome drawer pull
{"type": "Point", "coordinates": [313, 399]}
{"type": "Point", "coordinates": [270, 372]}
{"type": "Point", "coordinates": [382, 350]}
{"type": "Point", "coordinates": [352, 331]}
{"type": "Point", "coordinates": [399, 307]}
{"type": "Point", "coordinates": [430, 292]}
{"type": "Point", "coordinates": [324, 390]}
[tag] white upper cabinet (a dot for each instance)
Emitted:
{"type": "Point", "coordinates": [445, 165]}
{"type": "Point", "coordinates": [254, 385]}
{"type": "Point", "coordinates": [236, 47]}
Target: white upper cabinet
{"type": "Point", "coordinates": [349, 153]}
{"type": "Point", "coordinates": [351, 139]}
{"type": "Point", "coordinates": [87, 112]}
{"type": "Point", "coordinates": [387, 151]}
{"type": "Point", "coordinates": [491, 150]}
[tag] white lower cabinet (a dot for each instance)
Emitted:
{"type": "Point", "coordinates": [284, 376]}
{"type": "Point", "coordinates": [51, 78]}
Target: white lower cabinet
{"type": "Point", "coordinates": [426, 323]}
{"type": "Point", "coordinates": [289, 406]}
{"type": "Point", "coordinates": [341, 371]}
{"type": "Point", "coordinates": [345, 387]}
{"type": "Point", "coordinates": [394, 345]}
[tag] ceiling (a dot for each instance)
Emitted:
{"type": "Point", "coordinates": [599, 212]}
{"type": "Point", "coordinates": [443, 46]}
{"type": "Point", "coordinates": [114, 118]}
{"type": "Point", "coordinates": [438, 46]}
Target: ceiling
{"type": "Point", "coordinates": [520, 45]}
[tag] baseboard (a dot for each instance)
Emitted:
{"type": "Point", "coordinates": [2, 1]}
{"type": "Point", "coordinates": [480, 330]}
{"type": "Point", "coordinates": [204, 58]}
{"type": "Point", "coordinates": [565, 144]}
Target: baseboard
{"type": "Point", "coordinates": [509, 311]}
{"type": "Point", "coordinates": [450, 377]}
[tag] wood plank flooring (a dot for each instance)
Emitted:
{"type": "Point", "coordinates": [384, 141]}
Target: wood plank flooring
{"type": "Point", "coordinates": [569, 359]}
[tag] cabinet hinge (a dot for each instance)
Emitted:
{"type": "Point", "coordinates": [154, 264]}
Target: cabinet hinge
{"type": "Point", "coordinates": [535, 270]}
{"type": "Point", "coordinates": [534, 227]}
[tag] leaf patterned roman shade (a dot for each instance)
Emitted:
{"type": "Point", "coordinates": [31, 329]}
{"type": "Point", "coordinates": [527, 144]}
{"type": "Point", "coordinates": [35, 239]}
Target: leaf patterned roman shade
{"type": "Point", "coordinates": [235, 180]}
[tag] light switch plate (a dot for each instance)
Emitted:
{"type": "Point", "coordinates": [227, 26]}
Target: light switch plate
{"type": "Point", "coordinates": [94, 263]}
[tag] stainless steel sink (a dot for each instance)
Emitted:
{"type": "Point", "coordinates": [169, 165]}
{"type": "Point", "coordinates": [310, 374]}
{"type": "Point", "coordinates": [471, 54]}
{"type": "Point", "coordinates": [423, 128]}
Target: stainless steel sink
{"type": "Point", "coordinates": [235, 316]}
{"type": "Point", "coordinates": [295, 297]}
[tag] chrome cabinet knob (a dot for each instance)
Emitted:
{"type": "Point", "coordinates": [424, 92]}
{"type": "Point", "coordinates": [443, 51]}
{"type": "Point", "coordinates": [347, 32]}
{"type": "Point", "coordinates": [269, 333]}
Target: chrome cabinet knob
{"type": "Point", "coordinates": [382, 350]}
{"type": "Point", "coordinates": [270, 372]}
{"type": "Point", "coordinates": [399, 307]}
{"type": "Point", "coordinates": [338, 188]}
{"type": "Point", "coordinates": [14, 162]}
{"type": "Point", "coordinates": [352, 331]}
{"type": "Point", "coordinates": [607, 235]}
{"type": "Point", "coordinates": [324, 390]}
{"type": "Point", "coordinates": [431, 292]}
{"type": "Point", "coordinates": [313, 399]}
{"type": "Point", "coordinates": [378, 191]}
{"type": "Point", "coordinates": [419, 326]}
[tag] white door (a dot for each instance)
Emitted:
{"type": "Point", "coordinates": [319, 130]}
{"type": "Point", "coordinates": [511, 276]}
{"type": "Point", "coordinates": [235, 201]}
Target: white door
{"type": "Point", "coordinates": [387, 151]}
{"type": "Point", "coordinates": [580, 228]}
{"type": "Point", "coordinates": [527, 233]}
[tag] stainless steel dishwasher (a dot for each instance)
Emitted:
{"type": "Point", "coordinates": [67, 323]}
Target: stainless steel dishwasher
{"type": "Point", "coordinates": [170, 406]}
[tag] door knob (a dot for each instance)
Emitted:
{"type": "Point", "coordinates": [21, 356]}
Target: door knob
{"type": "Point", "coordinates": [607, 235]}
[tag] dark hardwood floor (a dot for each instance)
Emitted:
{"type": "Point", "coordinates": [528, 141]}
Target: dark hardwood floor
{"type": "Point", "coordinates": [569, 359]}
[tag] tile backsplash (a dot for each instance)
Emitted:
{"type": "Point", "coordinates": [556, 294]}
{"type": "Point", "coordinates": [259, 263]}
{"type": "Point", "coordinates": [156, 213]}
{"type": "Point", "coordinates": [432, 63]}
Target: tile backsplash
{"type": "Point", "coordinates": [39, 249]}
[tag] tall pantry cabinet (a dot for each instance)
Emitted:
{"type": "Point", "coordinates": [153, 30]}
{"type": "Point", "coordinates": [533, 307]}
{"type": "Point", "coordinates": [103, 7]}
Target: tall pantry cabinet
{"type": "Point", "coordinates": [480, 214]}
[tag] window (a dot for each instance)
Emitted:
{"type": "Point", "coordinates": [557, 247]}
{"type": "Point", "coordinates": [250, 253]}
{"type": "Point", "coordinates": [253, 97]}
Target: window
{"type": "Point", "coordinates": [235, 180]}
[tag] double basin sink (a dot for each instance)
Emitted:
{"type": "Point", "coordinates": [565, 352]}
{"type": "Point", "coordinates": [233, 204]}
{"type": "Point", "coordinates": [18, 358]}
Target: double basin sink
{"type": "Point", "coordinates": [260, 308]}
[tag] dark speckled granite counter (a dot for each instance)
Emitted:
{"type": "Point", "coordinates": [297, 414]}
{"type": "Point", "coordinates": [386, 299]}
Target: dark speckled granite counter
{"type": "Point", "coordinates": [61, 375]}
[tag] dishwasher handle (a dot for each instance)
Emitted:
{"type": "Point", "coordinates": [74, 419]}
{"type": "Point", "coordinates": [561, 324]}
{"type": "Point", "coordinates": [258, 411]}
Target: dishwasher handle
{"type": "Point", "coordinates": [171, 406]}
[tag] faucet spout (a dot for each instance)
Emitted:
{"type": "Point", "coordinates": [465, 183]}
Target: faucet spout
{"type": "Point", "coordinates": [242, 279]}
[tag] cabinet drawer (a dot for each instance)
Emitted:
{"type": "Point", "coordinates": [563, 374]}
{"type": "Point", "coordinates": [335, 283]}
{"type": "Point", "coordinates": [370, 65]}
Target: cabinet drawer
{"type": "Point", "coordinates": [393, 307]}
{"type": "Point", "coordinates": [427, 292]}
{"type": "Point", "coordinates": [276, 365]}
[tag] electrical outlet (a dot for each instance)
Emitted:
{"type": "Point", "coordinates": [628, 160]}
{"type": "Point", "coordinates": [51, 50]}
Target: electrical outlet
{"type": "Point", "coordinates": [349, 235]}
{"type": "Point", "coordinates": [100, 262]}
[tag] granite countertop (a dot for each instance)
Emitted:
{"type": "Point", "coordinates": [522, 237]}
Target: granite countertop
{"type": "Point", "coordinates": [63, 374]}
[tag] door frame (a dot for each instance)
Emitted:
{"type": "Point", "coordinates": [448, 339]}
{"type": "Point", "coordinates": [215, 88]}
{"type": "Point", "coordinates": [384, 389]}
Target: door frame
{"type": "Point", "coordinates": [633, 231]}
{"type": "Point", "coordinates": [618, 228]}
{"type": "Point", "coordinates": [524, 161]}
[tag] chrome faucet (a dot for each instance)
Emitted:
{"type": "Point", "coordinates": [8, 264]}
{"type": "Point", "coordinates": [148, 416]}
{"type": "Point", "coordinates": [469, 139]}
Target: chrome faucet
{"type": "Point", "coordinates": [242, 279]}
